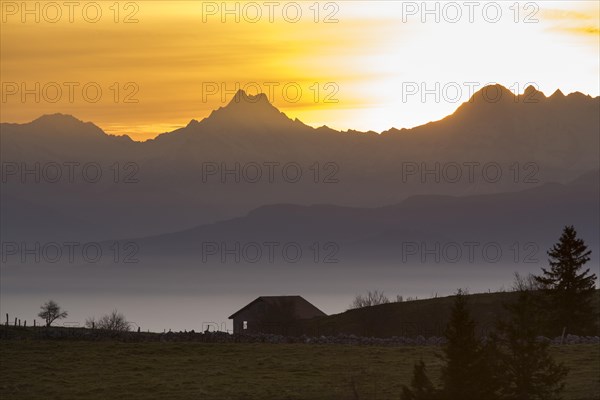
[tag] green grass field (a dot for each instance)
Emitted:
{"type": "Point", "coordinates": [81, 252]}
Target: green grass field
{"type": "Point", "coordinates": [32, 370]}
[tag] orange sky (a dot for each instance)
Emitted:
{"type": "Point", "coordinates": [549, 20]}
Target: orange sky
{"type": "Point", "coordinates": [353, 66]}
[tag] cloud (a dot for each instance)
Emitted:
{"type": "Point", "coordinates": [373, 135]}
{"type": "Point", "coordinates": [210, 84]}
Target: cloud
{"type": "Point", "coordinates": [584, 22]}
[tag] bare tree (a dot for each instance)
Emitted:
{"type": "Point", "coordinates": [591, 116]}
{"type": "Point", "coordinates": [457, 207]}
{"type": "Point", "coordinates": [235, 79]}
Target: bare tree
{"type": "Point", "coordinates": [51, 312]}
{"type": "Point", "coordinates": [115, 321]}
{"type": "Point", "coordinates": [525, 283]}
{"type": "Point", "coordinates": [91, 323]}
{"type": "Point", "coordinates": [370, 299]}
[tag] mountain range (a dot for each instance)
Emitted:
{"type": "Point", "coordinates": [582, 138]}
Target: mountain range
{"type": "Point", "coordinates": [174, 182]}
{"type": "Point", "coordinates": [522, 225]}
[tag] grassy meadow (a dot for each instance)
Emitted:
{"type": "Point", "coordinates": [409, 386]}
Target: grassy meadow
{"type": "Point", "coordinates": [45, 369]}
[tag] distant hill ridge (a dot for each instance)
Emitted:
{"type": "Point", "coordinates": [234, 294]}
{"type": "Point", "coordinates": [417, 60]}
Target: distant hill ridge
{"type": "Point", "coordinates": [420, 317]}
{"type": "Point", "coordinates": [555, 139]}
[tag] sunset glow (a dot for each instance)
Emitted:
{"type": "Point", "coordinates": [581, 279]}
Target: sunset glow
{"type": "Point", "coordinates": [352, 66]}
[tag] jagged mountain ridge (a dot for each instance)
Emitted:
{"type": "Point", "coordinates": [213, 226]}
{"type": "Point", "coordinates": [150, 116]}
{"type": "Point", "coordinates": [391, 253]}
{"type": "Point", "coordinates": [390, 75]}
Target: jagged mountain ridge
{"type": "Point", "coordinates": [557, 134]}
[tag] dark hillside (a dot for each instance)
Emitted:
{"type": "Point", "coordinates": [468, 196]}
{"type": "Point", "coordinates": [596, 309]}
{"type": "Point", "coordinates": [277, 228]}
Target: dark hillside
{"type": "Point", "coordinates": [426, 317]}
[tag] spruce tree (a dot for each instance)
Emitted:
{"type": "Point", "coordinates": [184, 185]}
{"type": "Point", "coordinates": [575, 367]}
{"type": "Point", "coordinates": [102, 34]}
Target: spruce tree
{"type": "Point", "coordinates": [567, 287]}
{"type": "Point", "coordinates": [527, 371]}
{"type": "Point", "coordinates": [466, 375]}
{"type": "Point", "coordinates": [421, 387]}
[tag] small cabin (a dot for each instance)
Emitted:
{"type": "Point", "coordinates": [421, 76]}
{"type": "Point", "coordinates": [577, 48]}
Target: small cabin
{"type": "Point", "coordinates": [274, 314]}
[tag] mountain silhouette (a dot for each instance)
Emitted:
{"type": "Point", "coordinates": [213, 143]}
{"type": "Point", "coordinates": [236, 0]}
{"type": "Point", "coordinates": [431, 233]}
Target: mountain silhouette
{"type": "Point", "coordinates": [376, 235]}
{"type": "Point", "coordinates": [253, 109]}
{"type": "Point", "coordinates": [59, 127]}
{"type": "Point", "coordinates": [553, 139]}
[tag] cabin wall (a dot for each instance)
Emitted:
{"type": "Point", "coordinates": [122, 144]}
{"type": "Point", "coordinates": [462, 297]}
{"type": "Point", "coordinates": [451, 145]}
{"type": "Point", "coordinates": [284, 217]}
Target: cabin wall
{"type": "Point", "coordinates": [255, 316]}
{"type": "Point", "coordinates": [254, 319]}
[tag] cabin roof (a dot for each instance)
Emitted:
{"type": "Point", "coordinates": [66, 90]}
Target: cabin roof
{"type": "Point", "coordinates": [303, 309]}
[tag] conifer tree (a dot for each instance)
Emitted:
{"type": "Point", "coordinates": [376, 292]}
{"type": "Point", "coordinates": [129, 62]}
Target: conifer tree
{"type": "Point", "coordinates": [527, 371]}
{"type": "Point", "coordinates": [421, 387]}
{"type": "Point", "coordinates": [568, 288]}
{"type": "Point", "coordinates": [466, 375]}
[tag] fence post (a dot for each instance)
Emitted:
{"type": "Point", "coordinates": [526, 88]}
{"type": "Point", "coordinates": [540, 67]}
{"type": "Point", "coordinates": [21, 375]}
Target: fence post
{"type": "Point", "coordinates": [6, 319]}
{"type": "Point", "coordinates": [34, 323]}
{"type": "Point", "coordinates": [19, 321]}
{"type": "Point", "coordinates": [15, 321]}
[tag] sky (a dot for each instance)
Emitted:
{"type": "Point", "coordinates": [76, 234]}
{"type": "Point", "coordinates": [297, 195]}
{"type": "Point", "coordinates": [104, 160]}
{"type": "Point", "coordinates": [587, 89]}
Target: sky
{"type": "Point", "coordinates": [146, 67]}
